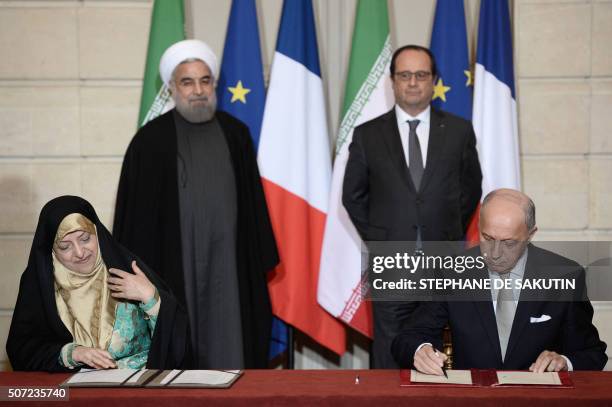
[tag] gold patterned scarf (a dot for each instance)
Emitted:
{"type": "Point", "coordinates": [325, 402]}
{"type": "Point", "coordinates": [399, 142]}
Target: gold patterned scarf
{"type": "Point", "coordinates": [83, 301]}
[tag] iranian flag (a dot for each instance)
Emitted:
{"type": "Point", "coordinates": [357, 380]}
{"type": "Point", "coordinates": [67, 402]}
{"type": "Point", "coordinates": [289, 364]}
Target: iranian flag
{"type": "Point", "coordinates": [295, 163]}
{"type": "Point", "coordinates": [494, 116]}
{"type": "Point", "coordinates": [368, 94]}
{"type": "Point", "coordinates": [167, 27]}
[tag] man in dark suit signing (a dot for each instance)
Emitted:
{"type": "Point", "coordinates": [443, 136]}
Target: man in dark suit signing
{"type": "Point", "coordinates": [412, 175]}
{"type": "Point", "coordinates": [515, 328]}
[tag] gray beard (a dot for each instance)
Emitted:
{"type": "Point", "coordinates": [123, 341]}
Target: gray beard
{"type": "Point", "coordinates": [197, 114]}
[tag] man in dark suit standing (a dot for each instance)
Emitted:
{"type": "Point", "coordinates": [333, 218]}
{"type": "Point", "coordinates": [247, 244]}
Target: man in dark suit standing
{"type": "Point", "coordinates": [514, 329]}
{"type": "Point", "coordinates": [412, 175]}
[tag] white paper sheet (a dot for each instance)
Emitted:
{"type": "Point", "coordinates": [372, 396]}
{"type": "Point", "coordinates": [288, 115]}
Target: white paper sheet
{"type": "Point", "coordinates": [548, 378]}
{"type": "Point", "coordinates": [101, 376]}
{"type": "Point", "coordinates": [454, 377]}
{"type": "Point", "coordinates": [206, 377]}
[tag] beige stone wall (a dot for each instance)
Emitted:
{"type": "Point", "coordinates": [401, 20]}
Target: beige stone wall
{"type": "Point", "coordinates": [70, 77]}
{"type": "Point", "coordinates": [565, 93]}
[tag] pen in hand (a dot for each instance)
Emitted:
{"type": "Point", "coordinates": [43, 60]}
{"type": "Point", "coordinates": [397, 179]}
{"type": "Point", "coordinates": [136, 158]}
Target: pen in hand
{"type": "Point", "coordinates": [442, 367]}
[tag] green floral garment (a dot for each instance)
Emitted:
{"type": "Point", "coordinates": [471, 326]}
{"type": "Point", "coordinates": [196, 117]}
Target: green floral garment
{"type": "Point", "coordinates": [131, 338]}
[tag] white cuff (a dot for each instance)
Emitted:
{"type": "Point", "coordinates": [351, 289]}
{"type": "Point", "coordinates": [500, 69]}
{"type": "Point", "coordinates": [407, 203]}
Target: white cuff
{"type": "Point", "coordinates": [419, 348]}
{"type": "Point", "coordinates": [570, 367]}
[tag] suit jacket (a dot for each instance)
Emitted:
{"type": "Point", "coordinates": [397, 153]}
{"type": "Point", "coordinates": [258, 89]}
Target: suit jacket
{"type": "Point", "coordinates": [378, 192]}
{"type": "Point", "coordinates": [383, 204]}
{"type": "Point", "coordinates": [569, 331]}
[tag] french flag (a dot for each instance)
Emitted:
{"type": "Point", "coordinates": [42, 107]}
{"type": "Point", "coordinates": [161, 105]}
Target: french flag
{"type": "Point", "coordinates": [295, 163]}
{"type": "Point", "coordinates": [494, 111]}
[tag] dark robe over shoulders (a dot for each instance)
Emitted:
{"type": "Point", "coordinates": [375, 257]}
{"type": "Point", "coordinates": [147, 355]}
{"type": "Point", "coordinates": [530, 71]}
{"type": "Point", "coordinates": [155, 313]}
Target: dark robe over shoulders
{"type": "Point", "coordinates": [147, 221]}
{"type": "Point", "coordinates": [37, 333]}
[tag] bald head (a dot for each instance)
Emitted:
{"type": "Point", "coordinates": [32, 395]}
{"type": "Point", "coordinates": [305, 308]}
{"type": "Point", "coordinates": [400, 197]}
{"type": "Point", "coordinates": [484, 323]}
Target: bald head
{"type": "Point", "coordinates": [507, 224]}
{"type": "Point", "coordinates": [508, 198]}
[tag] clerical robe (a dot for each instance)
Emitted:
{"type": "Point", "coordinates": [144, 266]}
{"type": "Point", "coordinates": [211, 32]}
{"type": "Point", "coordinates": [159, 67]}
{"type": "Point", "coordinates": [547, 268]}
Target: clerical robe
{"type": "Point", "coordinates": [153, 210]}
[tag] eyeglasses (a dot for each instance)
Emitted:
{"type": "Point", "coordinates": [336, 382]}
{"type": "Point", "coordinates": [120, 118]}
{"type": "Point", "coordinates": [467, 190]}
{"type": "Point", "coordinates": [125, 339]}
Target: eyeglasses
{"type": "Point", "coordinates": [406, 76]}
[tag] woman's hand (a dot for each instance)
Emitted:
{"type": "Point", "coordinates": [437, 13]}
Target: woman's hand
{"type": "Point", "coordinates": [97, 358]}
{"type": "Point", "coordinates": [131, 286]}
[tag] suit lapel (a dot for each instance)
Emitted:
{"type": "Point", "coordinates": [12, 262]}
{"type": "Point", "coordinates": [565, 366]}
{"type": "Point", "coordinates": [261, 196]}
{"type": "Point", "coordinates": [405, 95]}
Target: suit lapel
{"type": "Point", "coordinates": [391, 136]}
{"type": "Point", "coordinates": [435, 145]}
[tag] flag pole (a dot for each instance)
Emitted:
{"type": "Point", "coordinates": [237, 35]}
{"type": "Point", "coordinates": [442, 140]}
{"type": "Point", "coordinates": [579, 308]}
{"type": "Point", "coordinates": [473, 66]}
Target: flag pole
{"type": "Point", "coordinates": [290, 348]}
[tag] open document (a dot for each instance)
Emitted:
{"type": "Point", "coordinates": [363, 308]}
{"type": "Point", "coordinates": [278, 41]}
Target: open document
{"type": "Point", "coordinates": [487, 378]}
{"type": "Point", "coordinates": [153, 378]}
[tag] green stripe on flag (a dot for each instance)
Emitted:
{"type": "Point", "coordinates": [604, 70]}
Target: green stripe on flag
{"type": "Point", "coordinates": [167, 27]}
{"type": "Point", "coordinates": [370, 53]}
{"type": "Point", "coordinates": [363, 95]}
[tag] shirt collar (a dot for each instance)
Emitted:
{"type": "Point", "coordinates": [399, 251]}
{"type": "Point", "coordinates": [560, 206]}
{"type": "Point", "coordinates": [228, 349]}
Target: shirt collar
{"type": "Point", "coordinates": [403, 117]}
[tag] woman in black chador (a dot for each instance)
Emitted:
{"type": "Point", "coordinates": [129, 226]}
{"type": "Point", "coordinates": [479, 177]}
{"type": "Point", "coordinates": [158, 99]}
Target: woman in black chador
{"type": "Point", "coordinates": [85, 300]}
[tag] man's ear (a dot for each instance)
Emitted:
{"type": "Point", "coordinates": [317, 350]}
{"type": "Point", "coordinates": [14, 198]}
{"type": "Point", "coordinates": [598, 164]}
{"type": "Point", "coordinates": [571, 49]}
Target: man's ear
{"type": "Point", "coordinates": [532, 233]}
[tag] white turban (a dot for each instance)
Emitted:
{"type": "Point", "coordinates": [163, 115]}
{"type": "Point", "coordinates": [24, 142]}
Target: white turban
{"type": "Point", "coordinates": [183, 50]}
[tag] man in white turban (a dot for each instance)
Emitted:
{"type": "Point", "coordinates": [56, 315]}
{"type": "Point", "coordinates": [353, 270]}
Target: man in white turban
{"type": "Point", "coordinates": [191, 204]}
{"type": "Point", "coordinates": [189, 68]}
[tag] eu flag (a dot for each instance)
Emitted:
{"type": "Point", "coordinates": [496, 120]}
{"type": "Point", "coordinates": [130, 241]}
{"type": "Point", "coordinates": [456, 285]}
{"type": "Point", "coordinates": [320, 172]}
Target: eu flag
{"type": "Point", "coordinates": [453, 87]}
{"type": "Point", "coordinates": [240, 89]}
{"type": "Point", "coordinates": [241, 92]}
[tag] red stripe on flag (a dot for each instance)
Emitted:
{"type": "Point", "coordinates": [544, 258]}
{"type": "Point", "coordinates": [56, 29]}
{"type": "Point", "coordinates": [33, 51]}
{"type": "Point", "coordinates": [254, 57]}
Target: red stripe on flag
{"type": "Point", "coordinates": [472, 237]}
{"type": "Point", "coordinates": [298, 229]}
{"type": "Point", "coordinates": [362, 320]}
{"type": "Point", "coordinates": [357, 312]}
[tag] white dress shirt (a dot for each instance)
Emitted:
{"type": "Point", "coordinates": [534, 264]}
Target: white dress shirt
{"type": "Point", "coordinates": [422, 131]}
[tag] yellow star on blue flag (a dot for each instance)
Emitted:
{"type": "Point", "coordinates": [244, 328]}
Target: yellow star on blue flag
{"type": "Point", "coordinates": [238, 92]}
{"type": "Point", "coordinates": [469, 80]}
{"type": "Point", "coordinates": [440, 90]}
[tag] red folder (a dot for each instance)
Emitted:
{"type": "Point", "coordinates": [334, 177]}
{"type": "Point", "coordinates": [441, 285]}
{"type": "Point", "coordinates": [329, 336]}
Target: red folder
{"type": "Point", "coordinates": [485, 378]}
